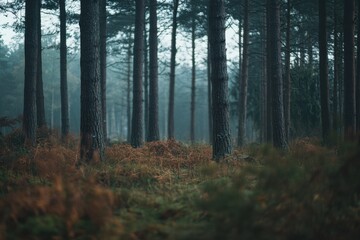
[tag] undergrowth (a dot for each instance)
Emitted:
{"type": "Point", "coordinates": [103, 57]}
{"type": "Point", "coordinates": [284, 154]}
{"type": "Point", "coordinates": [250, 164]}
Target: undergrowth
{"type": "Point", "coordinates": [169, 190]}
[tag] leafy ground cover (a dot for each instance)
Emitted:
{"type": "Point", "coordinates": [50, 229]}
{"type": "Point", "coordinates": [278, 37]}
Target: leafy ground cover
{"type": "Point", "coordinates": [169, 190]}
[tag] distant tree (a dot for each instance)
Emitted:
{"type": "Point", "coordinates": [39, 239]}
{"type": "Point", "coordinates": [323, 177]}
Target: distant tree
{"type": "Point", "coordinates": [137, 114]}
{"type": "Point", "coordinates": [219, 79]}
{"type": "Point", "coordinates": [31, 67]}
{"type": "Point", "coordinates": [92, 141]}
{"type": "Point", "coordinates": [243, 86]}
{"type": "Point", "coordinates": [349, 71]}
{"type": "Point", "coordinates": [172, 72]}
{"type": "Point", "coordinates": [324, 82]}
{"type": "Point", "coordinates": [193, 75]}
{"type": "Point", "coordinates": [153, 127]}
{"type": "Point", "coordinates": [287, 79]}
{"type": "Point", "coordinates": [65, 125]}
{"type": "Point", "coordinates": [103, 25]}
{"type": "Point", "coordinates": [275, 76]}
{"type": "Point", "coordinates": [336, 70]}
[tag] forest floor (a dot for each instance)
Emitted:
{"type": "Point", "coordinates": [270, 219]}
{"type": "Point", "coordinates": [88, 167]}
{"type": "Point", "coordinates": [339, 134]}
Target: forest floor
{"type": "Point", "coordinates": [169, 190]}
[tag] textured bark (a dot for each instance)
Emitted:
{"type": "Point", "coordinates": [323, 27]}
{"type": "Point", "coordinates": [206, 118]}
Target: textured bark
{"type": "Point", "coordinates": [219, 79]}
{"type": "Point", "coordinates": [91, 142]}
{"type": "Point", "coordinates": [244, 79]}
{"type": "Point", "coordinates": [146, 85]}
{"type": "Point", "coordinates": [31, 68]}
{"type": "Point", "coordinates": [153, 90]}
{"type": "Point", "coordinates": [63, 73]}
{"type": "Point", "coordinates": [137, 114]}
{"type": "Point", "coordinates": [102, 25]}
{"type": "Point", "coordinates": [268, 87]}
{"type": "Point", "coordinates": [128, 95]}
{"type": "Point", "coordinates": [171, 109]}
{"type": "Point", "coordinates": [40, 106]}
{"type": "Point", "coordinates": [358, 74]}
{"type": "Point", "coordinates": [287, 80]}
{"type": "Point", "coordinates": [349, 70]}
{"type": "Point", "coordinates": [263, 96]}
{"type": "Point", "coordinates": [193, 81]}
{"type": "Point", "coordinates": [209, 95]}
{"type": "Point", "coordinates": [274, 50]}
{"type": "Point", "coordinates": [336, 73]}
{"type": "Point", "coordinates": [324, 81]}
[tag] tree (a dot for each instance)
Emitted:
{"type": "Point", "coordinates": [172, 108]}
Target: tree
{"type": "Point", "coordinates": [31, 67]}
{"type": "Point", "coordinates": [193, 76]}
{"type": "Point", "coordinates": [63, 72]}
{"type": "Point", "coordinates": [275, 76]}
{"type": "Point", "coordinates": [172, 72]}
{"type": "Point", "coordinates": [324, 82]}
{"type": "Point", "coordinates": [287, 80]}
{"type": "Point", "coordinates": [349, 71]}
{"type": "Point", "coordinates": [244, 79]}
{"type": "Point", "coordinates": [137, 119]}
{"type": "Point", "coordinates": [102, 25]}
{"type": "Point", "coordinates": [219, 79]}
{"type": "Point", "coordinates": [153, 127]}
{"type": "Point", "coordinates": [91, 142]}
{"type": "Point", "coordinates": [358, 74]}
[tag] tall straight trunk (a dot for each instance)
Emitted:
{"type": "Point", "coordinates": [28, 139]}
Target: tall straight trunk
{"type": "Point", "coordinates": [210, 123]}
{"type": "Point", "coordinates": [219, 79]}
{"type": "Point", "coordinates": [358, 74]}
{"type": "Point", "coordinates": [244, 78]}
{"type": "Point", "coordinates": [102, 24]}
{"type": "Point", "coordinates": [31, 68]}
{"type": "Point", "coordinates": [172, 72]}
{"type": "Point", "coordinates": [287, 80]}
{"type": "Point", "coordinates": [349, 70]}
{"type": "Point", "coordinates": [128, 93]}
{"type": "Point", "coordinates": [65, 125]}
{"type": "Point", "coordinates": [269, 118]}
{"type": "Point", "coordinates": [92, 141]}
{"type": "Point", "coordinates": [153, 96]}
{"type": "Point", "coordinates": [146, 85]}
{"type": "Point", "coordinates": [279, 139]}
{"type": "Point", "coordinates": [263, 93]}
{"type": "Point", "coordinates": [137, 114]}
{"type": "Point", "coordinates": [193, 81]}
{"type": "Point", "coordinates": [40, 106]}
{"type": "Point", "coordinates": [336, 72]}
{"type": "Point", "coordinates": [324, 81]}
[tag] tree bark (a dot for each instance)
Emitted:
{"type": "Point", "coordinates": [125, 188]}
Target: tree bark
{"type": "Point", "coordinates": [65, 125]}
{"type": "Point", "coordinates": [244, 79]}
{"type": "Point", "coordinates": [31, 68]}
{"type": "Point", "coordinates": [153, 97]}
{"type": "Point", "coordinates": [92, 141]}
{"type": "Point", "coordinates": [219, 79]}
{"type": "Point", "coordinates": [137, 114]}
{"type": "Point", "coordinates": [274, 50]}
{"type": "Point", "coordinates": [209, 95]}
{"type": "Point", "coordinates": [193, 79]}
{"type": "Point", "coordinates": [102, 24]}
{"type": "Point", "coordinates": [287, 81]}
{"type": "Point", "coordinates": [324, 81]}
{"type": "Point", "coordinates": [172, 72]}
{"type": "Point", "coordinates": [349, 70]}
{"type": "Point", "coordinates": [358, 75]}
{"type": "Point", "coordinates": [336, 72]}
{"type": "Point", "coordinates": [146, 85]}
{"type": "Point", "coordinates": [128, 95]}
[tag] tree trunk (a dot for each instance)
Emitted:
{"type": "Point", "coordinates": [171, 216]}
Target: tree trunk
{"type": "Point", "coordinates": [128, 96]}
{"type": "Point", "coordinates": [40, 107]}
{"type": "Point", "coordinates": [193, 80]}
{"type": "Point", "coordinates": [358, 75]}
{"type": "Point", "coordinates": [274, 50]}
{"type": "Point", "coordinates": [287, 81]}
{"type": "Point", "coordinates": [146, 85]}
{"type": "Point", "coordinates": [269, 118]}
{"type": "Point", "coordinates": [324, 82]}
{"type": "Point", "coordinates": [209, 95]}
{"type": "Point", "coordinates": [137, 114]}
{"type": "Point", "coordinates": [336, 72]}
{"type": "Point", "coordinates": [263, 95]}
{"type": "Point", "coordinates": [63, 73]}
{"type": "Point", "coordinates": [219, 79]}
{"type": "Point", "coordinates": [244, 79]}
{"type": "Point", "coordinates": [349, 70]}
{"type": "Point", "coordinates": [102, 24]}
{"type": "Point", "coordinates": [92, 141]}
{"type": "Point", "coordinates": [31, 68]}
{"type": "Point", "coordinates": [172, 72]}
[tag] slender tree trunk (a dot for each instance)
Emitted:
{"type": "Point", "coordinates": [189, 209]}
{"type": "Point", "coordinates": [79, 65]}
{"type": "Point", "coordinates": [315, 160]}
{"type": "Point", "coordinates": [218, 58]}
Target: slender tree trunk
{"type": "Point", "coordinates": [40, 106]}
{"type": "Point", "coordinates": [102, 22]}
{"type": "Point", "coordinates": [172, 72]}
{"type": "Point", "coordinates": [279, 139]}
{"type": "Point", "coordinates": [92, 141]}
{"type": "Point", "coordinates": [146, 85]}
{"type": "Point", "coordinates": [244, 79]}
{"type": "Point", "coordinates": [137, 114]}
{"type": "Point", "coordinates": [269, 118]}
{"type": "Point", "coordinates": [263, 96]}
{"type": "Point", "coordinates": [349, 70]}
{"type": "Point", "coordinates": [65, 125]}
{"type": "Point", "coordinates": [209, 95]}
{"type": "Point", "coordinates": [31, 68]}
{"type": "Point", "coordinates": [336, 72]}
{"type": "Point", "coordinates": [193, 81]}
{"type": "Point", "coordinates": [219, 79]}
{"type": "Point", "coordinates": [154, 99]}
{"type": "Point", "coordinates": [358, 74]}
{"type": "Point", "coordinates": [287, 80]}
{"type": "Point", "coordinates": [324, 82]}
{"type": "Point", "coordinates": [128, 95]}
